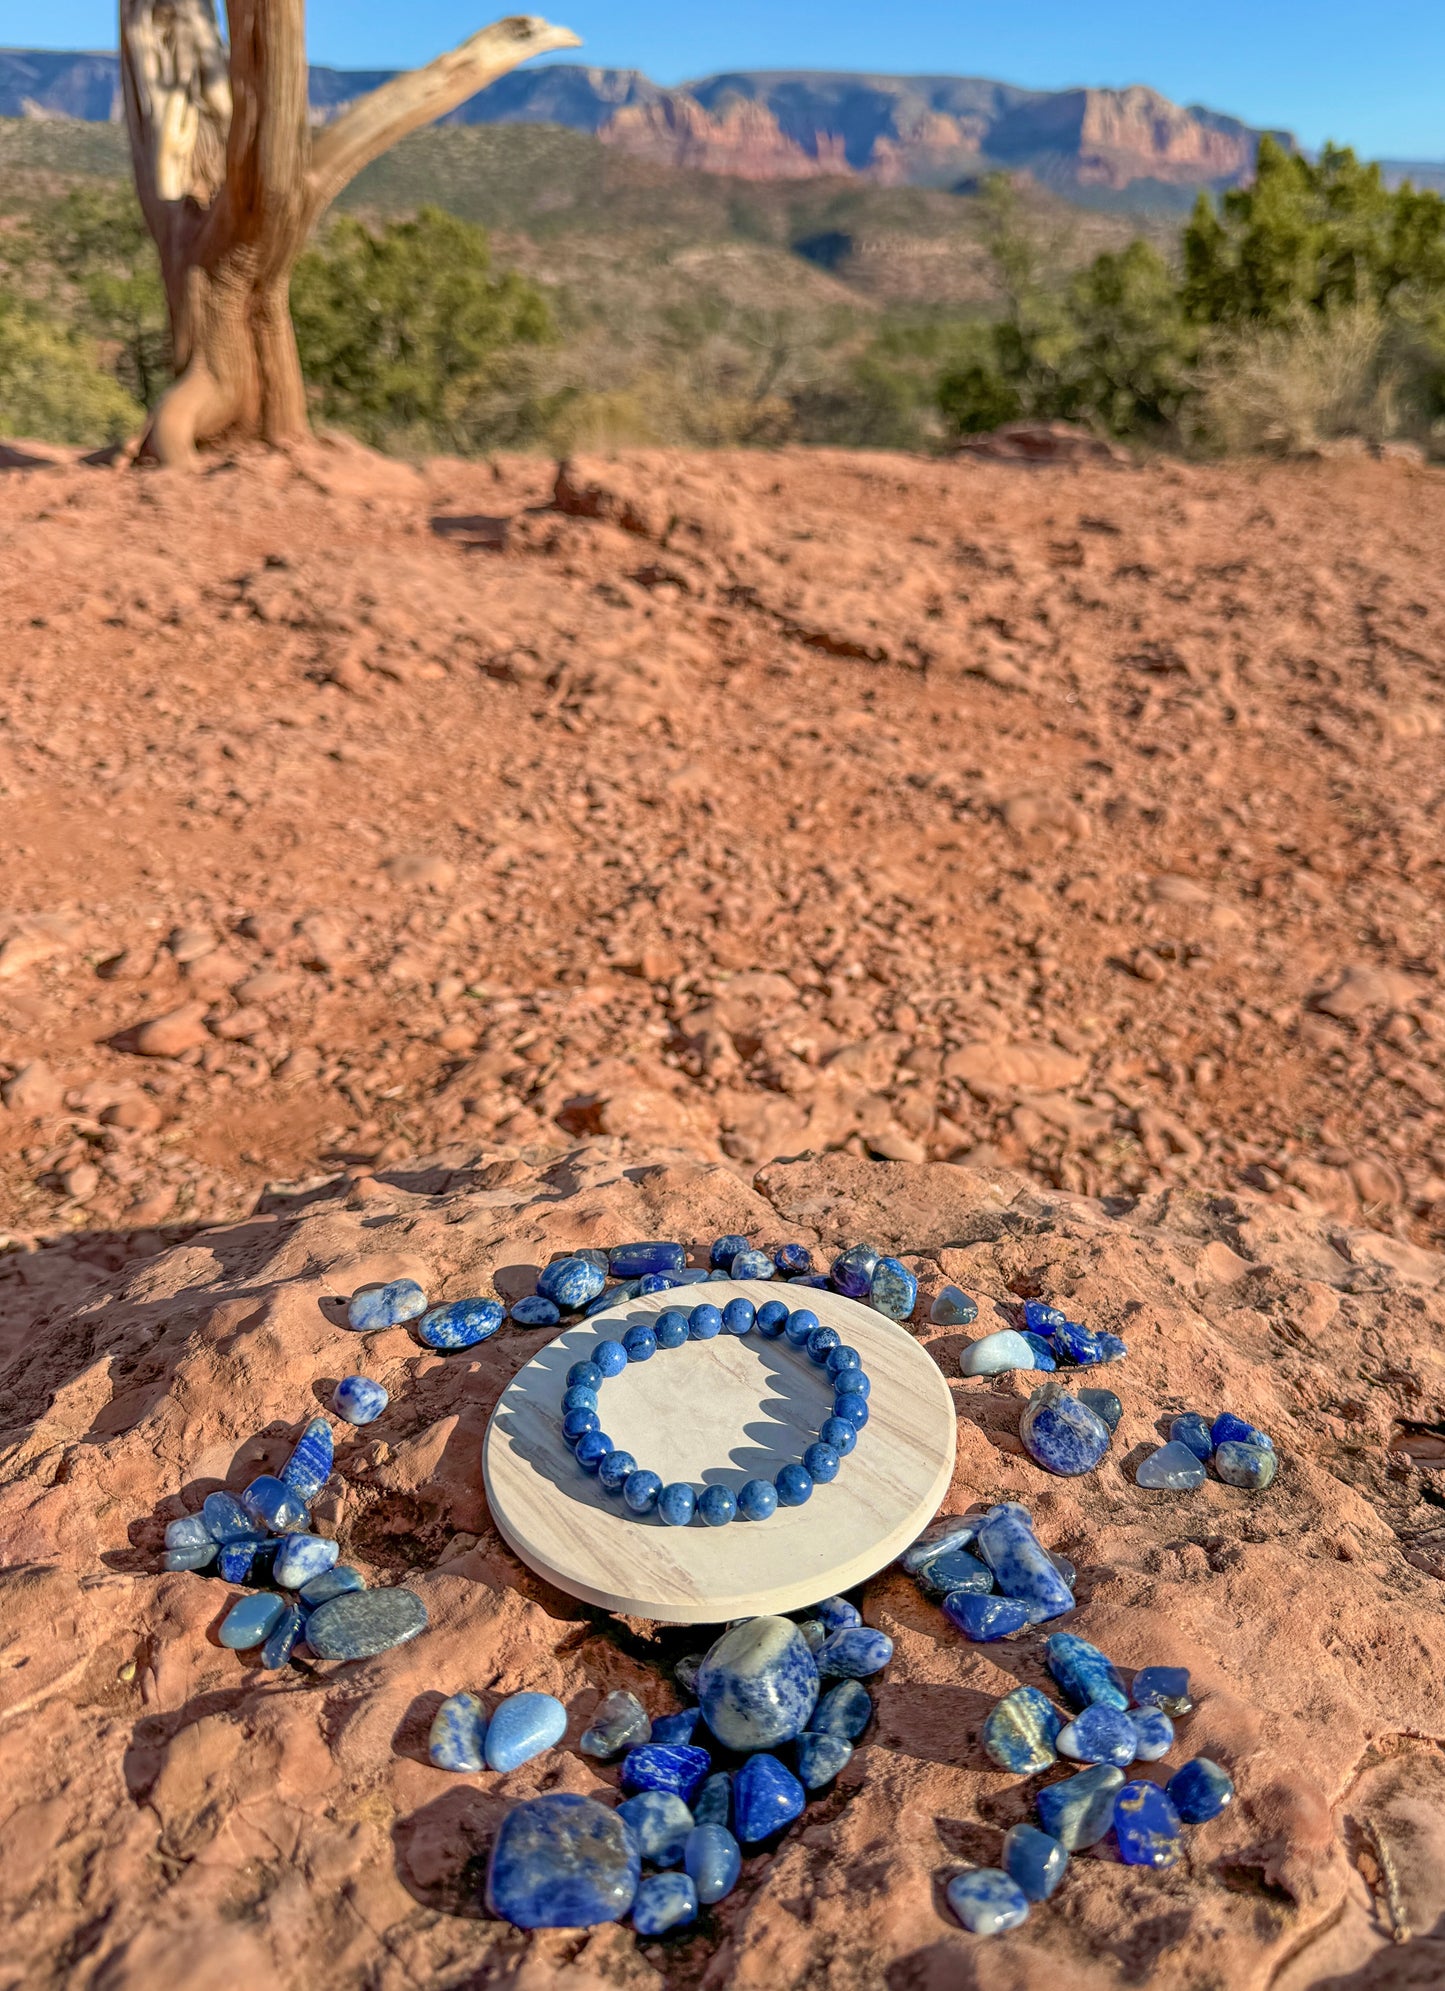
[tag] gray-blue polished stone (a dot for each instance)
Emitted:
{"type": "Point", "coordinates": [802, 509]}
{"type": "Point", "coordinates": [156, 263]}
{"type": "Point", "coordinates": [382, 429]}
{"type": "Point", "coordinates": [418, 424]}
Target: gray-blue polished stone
{"type": "Point", "coordinates": [955, 1569]}
{"type": "Point", "coordinates": [844, 1711]}
{"type": "Point", "coordinates": [1033, 1860]}
{"type": "Point", "coordinates": [1250, 1466]}
{"type": "Point", "coordinates": [562, 1862]}
{"type": "Point", "coordinates": [1174, 1468]}
{"type": "Point", "coordinates": [953, 1308]}
{"type": "Point", "coordinates": [660, 1823]}
{"type": "Point", "coordinates": [986, 1901]}
{"type": "Point", "coordinates": [335, 1583]}
{"type": "Point", "coordinates": [713, 1860]}
{"type": "Point", "coordinates": [391, 1305]}
{"type": "Point", "coordinates": [758, 1684]}
{"type": "Point", "coordinates": [283, 1638]}
{"type": "Point", "coordinates": [360, 1623]}
{"type": "Point", "coordinates": [619, 1722]}
{"type": "Point", "coordinates": [944, 1532]}
{"type": "Point", "coordinates": [664, 1901]}
{"type": "Point", "coordinates": [1080, 1810]}
{"type": "Point", "coordinates": [820, 1758]}
{"type": "Point", "coordinates": [272, 1504]}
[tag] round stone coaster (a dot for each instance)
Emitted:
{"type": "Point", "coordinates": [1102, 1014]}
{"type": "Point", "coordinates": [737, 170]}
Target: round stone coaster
{"type": "Point", "coordinates": [721, 1412]}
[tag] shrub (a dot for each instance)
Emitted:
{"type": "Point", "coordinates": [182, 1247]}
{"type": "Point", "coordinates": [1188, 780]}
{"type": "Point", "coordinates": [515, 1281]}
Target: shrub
{"type": "Point", "coordinates": [52, 384]}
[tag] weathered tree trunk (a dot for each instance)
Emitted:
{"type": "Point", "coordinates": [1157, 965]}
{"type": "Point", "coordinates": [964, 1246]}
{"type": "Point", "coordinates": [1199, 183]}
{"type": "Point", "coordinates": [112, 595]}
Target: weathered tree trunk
{"type": "Point", "coordinates": [232, 180]}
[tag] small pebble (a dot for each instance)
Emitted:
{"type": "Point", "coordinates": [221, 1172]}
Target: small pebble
{"type": "Point", "coordinates": [272, 1504]}
{"type": "Point", "coordinates": [986, 1901]}
{"type": "Point", "coordinates": [663, 1901]}
{"type": "Point", "coordinates": [522, 1726]}
{"type": "Point", "coordinates": [385, 1306]}
{"type": "Point", "coordinates": [458, 1734]}
{"type": "Point", "coordinates": [985, 1619]}
{"type": "Point", "coordinates": [726, 1249]}
{"type": "Point", "coordinates": [758, 1684]}
{"type": "Point", "coordinates": [1043, 1318]}
{"type": "Point", "coordinates": [752, 1265]}
{"type": "Point", "coordinates": [301, 1558]}
{"type": "Point", "coordinates": [814, 1633]}
{"type": "Point", "coordinates": [997, 1354]}
{"type": "Point", "coordinates": [1147, 1826]}
{"type": "Point", "coordinates": [852, 1271]}
{"type": "Point", "coordinates": [1200, 1791]}
{"type": "Point", "coordinates": [1100, 1734]}
{"type": "Point", "coordinates": [837, 1613]}
{"type": "Point", "coordinates": [1034, 1861]}
{"type": "Point", "coordinates": [1061, 1434]}
{"type": "Point", "coordinates": [562, 1862]}
{"type": "Point", "coordinates": [1164, 1687]}
{"type": "Point", "coordinates": [334, 1583]}
{"type": "Point", "coordinates": [309, 1466]}
{"type": "Point", "coordinates": [1080, 1810]}
{"type": "Point", "coordinates": [893, 1289]}
{"type": "Point", "coordinates": [619, 1722]}
{"type": "Point", "coordinates": [1044, 1358]}
{"type": "Point", "coordinates": [199, 1555]}
{"type": "Point", "coordinates": [675, 1767]}
{"type": "Point", "coordinates": [250, 1620]}
{"type": "Point", "coordinates": [283, 1638]}
{"type": "Point", "coordinates": [713, 1804]}
{"type": "Point", "coordinates": [1083, 1672]}
{"type": "Point", "coordinates": [1244, 1465]}
{"type": "Point", "coordinates": [1191, 1429]}
{"type": "Point", "coordinates": [190, 1532]}
{"type": "Point", "coordinates": [953, 1308]}
{"type": "Point", "coordinates": [1229, 1429]}
{"type": "Point", "coordinates": [358, 1400]}
{"type": "Point", "coordinates": [660, 1822]}
{"type": "Point", "coordinates": [713, 1860]}
{"type": "Point", "coordinates": [793, 1259]}
{"type": "Point", "coordinates": [571, 1282]}
{"type": "Point", "coordinates": [1174, 1468]}
{"type": "Point", "coordinates": [634, 1261]}
{"type": "Point", "coordinates": [460, 1323]}
{"type": "Point", "coordinates": [956, 1569]}
{"type": "Point", "coordinates": [844, 1711]}
{"type": "Point", "coordinates": [945, 1531]}
{"type": "Point", "coordinates": [1104, 1404]}
{"type": "Point", "coordinates": [536, 1310]}
{"type": "Point", "coordinates": [672, 1729]}
{"type": "Point", "coordinates": [855, 1653]}
{"type": "Point", "coordinates": [820, 1758]}
{"type": "Point", "coordinates": [1020, 1732]}
{"type": "Point", "coordinates": [766, 1797]}
{"type": "Point", "coordinates": [1155, 1733]}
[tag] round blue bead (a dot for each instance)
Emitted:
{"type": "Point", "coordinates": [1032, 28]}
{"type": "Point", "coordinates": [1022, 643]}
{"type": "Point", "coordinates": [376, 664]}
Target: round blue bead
{"type": "Point", "coordinates": [793, 1258]}
{"type": "Point", "coordinates": [577, 1423]}
{"type": "Point", "coordinates": [610, 1357]}
{"type": "Point", "coordinates": [640, 1491]}
{"type": "Point", "coordinates": [738, 1316]}
{"type": "Point", "coordinates": [800, 1325]}
{"type": "Point", "coordinates": [772, 1318]}
{"type": "Point", "coordinates": [821, 1343]}
{"type": "Point", "coordinates": [854, 1382]}
{"type": "Point", "coordinates": [591, 1449]}
{"type": "Point", "coordinates": [704, 1322]}
{"type": "Point", "coordinates": [717, 1506]}
{"type": "Point", "coordinates": [852, 1408]}
{"type": "Point", "coordinates": [670, 1328]}
{"type": "Point", "coordinates": [640, 1343]}
{"type": "Point", "coordinates": [726, 1249]}
{"type": "Point", "coordinates": [578, 1398]}
{"type": "Point", "coordinates": [757, 1500]}
{"type": "Point", "coordinates": [840, 1434]}
{"type": "Point", "coordinates": [822, 1462]}
{"type": "Point", "coordinates": [675, 1503]}
{"type": "Point", "coordinates": [614, 1469]}
{"type": "Point", "coordinates": [794, 1484]}
{"type": "Point", "coordinates": [584, 1376]}
{"type": "Point", "coordinates": [843, 1357]}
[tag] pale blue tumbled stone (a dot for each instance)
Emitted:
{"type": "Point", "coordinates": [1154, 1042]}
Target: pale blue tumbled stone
{"type": "Point", "coordinates": [854, 1653]}
{"type": "Point", "coordinates": [996, 1354]}
{"type": "Point", "coordinates": [660, 1822]}
{"type": "Point", "coordinates": [821, 1757]}
{"type": "Point", "coordinates": [335, 1583]}
{"type": "Point", "coordinates": [1174, 1468]}
{"type": "Point", "coordinates": [535, 1310]}
{"type": "Point", "coordinates": [458, 1733]}
{"type": "Point", "coordinates": [302, 1557]}
{"type": "Point", "coordinates": [766, 1797]}
{"type": "Point", "coordinates": [953, 1308]}
{"type": "Point", "coordinates": [986, 1901]}
{"type": "Point", "coordinates": [523, 1726]}
{"type": "Point", "coordinates": [200, 1556]}
{"type": "Point", "coordinates": [620, 1722]}
{"type": "Point", "coordinates": [1155, 1733]}
{"type": "Point", "coordinates": [893, 1289]}
{"type": "Point", "coordinates": [1084, 1673]}
{"type": "Point", "coordinates": [1021, 1566]}
{"type": "Point", "coordinates": [1146, 1826]}
{"type": "Point", "coordinates": [358, 1400]}
{"type": "Point", "coordinates": [309, 1466]}
{"type": "Point", "coordinates": [460, 1323]}
{"type": "Point", "coordinates": [250, 1620]}
{"type": "Point", "coordinates": [1034, 1860]}
{"type": "Point", "coordinates": [385, 1306]}
{"type": "Point", "coordinates": [713, 1860]}
{"type": "Point", "coordinates": [659, 1766]}
{"type": "Point", "coordinates": [225, 1518]}
{"type": "Point", "coordinates": [190, 1532]}
{"type": "Point", "coordinates": [664, 1901]}
{"type": "Point", "coordinates": [1244, 1465]}
{"type": "Point", "coordinates": [758, 1684]}
{"type": "Point", "coordinates": [360, 1623]}
{"type": "Point", "coordinates": [1080, 1810]}
{"type": "Point", "coordinates": [273, 1504]}
{"type": "Point", "coordinates": [1100, 1734]}
{"type": "Point", "coordinates": [562, 1862]}
{"type": "Point", "coordinates": [571, 1282]}
{"type": "Point", "coordinates": [844, 1711]}
{"type": "Point", "coordinates": [1021, 1730]}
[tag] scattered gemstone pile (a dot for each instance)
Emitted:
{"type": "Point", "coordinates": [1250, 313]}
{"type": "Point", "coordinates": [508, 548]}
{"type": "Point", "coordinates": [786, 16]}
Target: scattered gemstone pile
{"type": "Point", "coordinates": [1008, 1581]}
{"type": "Point", "coordinates": [1239, 1453]}
{"type": "Point", "coordinates": [1048, 1339]}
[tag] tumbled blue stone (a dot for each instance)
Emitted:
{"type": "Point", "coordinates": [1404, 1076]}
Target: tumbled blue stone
{"type": "Point", "coordinates": [334, 1582]}
{"type": "Point", "coordinates": [619, 1722]}
{"type": "Point", "coordinates": [791, 1258]}
{"type": "Point", "coordinates": [726, 1249]}
{"type": "Point", "coordinates": [593, 1255]}
{"type": "Point", "coordinates": [632, 1261]}
{"type": "Point", "coordinates": [1100, 1734]}
{"type": "Point", "coordinates": [738, 1316]}
{"type": "Point", "coordinates": [578, 1397]}
{"type": "Point", "coordinates": [663, 1901]}
{"type": "Point", "coordinates": [657, 1282]}
{"type": "Point", "coordinates": [1147, 1826]}
{"type": "Point", "coordinates": [536, 1310]}
{"type": "Point", "coordinates": [235, 1561]}
{"type": "Point", "coordinates": [1086, 1676]}
{"type": "Point", "coordinates": [844, 1711]}
{"type": "Point", "coordinates": [577, 1423]}
{"type": "Point", "coordinates": [814, 1631]}
{"type": "Point", "coordinates": [1200, 1791]}
{"type": "Point", "coordinates": [460, 1323]}
{"type": "Point", "coordinates": [820, 1757]}
{"type": "Point", "coordinates": [837, 1613]}
{"type": "Point", "coordinates": [672, 1729]}
{"type": "Point", "coordinates": [1033, 1860]}
{"type": "Point", "coordinates": [660, 1823]}
{"type": "Point", "coordinates": [613, 1297]}
{"type": "Point", "coordinates": [669, 1328]}
{"type": "Point", "coordinates": [190, 1532]}
{"type": "Point", "coordinates": [1042, 1350]}
{"type": "Point", "coordinates": [893, 1289]}
{"type": "Point", "coordinates": [716, 1506]}
{"type": "Point", "coordinates": [1021, 1566]}
{"type": "Point", "coordinates": [771, 1319]}
{"type": "Point", "coordinates": [1245, 1465]}
{"type": "Point", "coordinates": [283, 1638]}
{"type": "Point", "coordinates": [640, 1490]}
{"type": "Point", "coordinates": [758, 1684]}
{"type": "Point", "coordinates": [944, 1531]}
{"type": "Point", "coordinates": [704, 1322]}
{"type": "Point", "coordinates": [358, 1400]}
{"type": "Point", "coordinates": [818, 1282]}
{"type": "Point", "coordinates": [757, 1499]}
{"type": "Point", "coordinates": [1080, 1810]}
{"type": "Point", "coordinates": [794, 1484]}
{"type": "Point", "coordinates": [251, 1620]}
{"type": "Point", "coordinates": [591, 1449]}
{"type": "Point", "coordinates": [677, 1767]}
{"type": "Point", "coordinates": [302, 1557]}
{"type": "Point", "coordinates": [766, 1797]}
{"type": "Point", "coordinates": [800, 1327]}
{"type": "Point", "coordinates": [458, 1734]}
{"type": "Point", "coordinates": [676, 1503]}
{"type": "Point", "coordinates": [1114, 1348]}
{"type": "Point", "coordinates": [1192, 1429]}
{"type": "Point", "coordinates": [1155, 1734]}
{"type": "Point", "coordinates": [522, 1726]}
{"type": "Point", "coordinates": [851, 1406]}
{"type": "Point", "coordinates": [1061, 1434]}
{"type": "Point", "coordinates": [1174, 1468]}
{"type": "Point", "coordinates": [1164, 1687]}
{"type": "Point", "coordinates": [713, 1804]}
{"type": "Point", "coordinates": [271, 1502]}
{"type": "Point", "coordinates": [640, 1343]}
{"type": "Point", "coordinates": [839, 1435]}
{"type": "Point", "coordinates": [562, 1862]}
{"type": "Point", "coordinates": [571, 1282]}
{"type": "Point", "coordinates": [610, 1357]}
{"type": "Point", "coordinates": [615, 1471]}
{"type": "Point", "coordinates": [953, 1308]}
{"type": "Point", "coordinates": [854, 1653]}
{"type": "Point", "coordinates": [821, 1463]}
{"type": "Point", "coordinates": [690, 1275]}
{"type": "Point", "coordinates": [385, 1306]}
{"type": "Point", "coordinates": [752, 1265]}
{"type": "Point", "coordinates": [225, 1518]}
{"type": "Point", "coordinates": [1065, 1568]}
{"type": "Point", "coordinates": [821, 1343]}
{"type": "Point", "coordinates": [1020, 1731]}
{"type": "Point", "coordinates": [713, 1860]}
{"type": "Point", "coordinates": [852, 1270]}
{"type": "Point", "coordinates": [1229, 1429]}
{"type": "Point", "coordinates": [955, 1569]}
{"type": "Point", "coordinates": [986, 1901]}
{"type": "Point", "coordinates": [985, 1619]}
{"type": "Point", "coordinates": [1041, 1318]}
{"type": "Point", "coordinates": [1076, 1344]}
{"type": "Point", "coordinates": [360, 1623]}
{"type": "Point", "coordinates": [199, 1556]}
{"type": "Point", "coordinates": [1104, 1404]}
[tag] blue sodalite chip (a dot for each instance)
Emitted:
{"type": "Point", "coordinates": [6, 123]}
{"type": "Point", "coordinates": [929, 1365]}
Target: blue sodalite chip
{"type": "Point", "coordinates": [716, 1506]}
{"type": "Point", "coordinates": [955, 1569]}
{"type": "Point", "coordinates": [614, 1296]}
{"type": "Point", "coordinates": [251, 1620]}
{"type": "Point", "coordinates": [704, 1322]}
{"type": "Point", "coordinates": [1061, 1434]}
{"type": "Point", "coordinates": [837, 1613]}
{"type": "Point", "coordinates": [985, 1619]}
{"type": "Point", "coordinates": [793, 1258]}
{"type": "Point", "coordinates": [571, 1282]}
{"type": "Point", "coordinates": [844, 1711]}
{"type": "Point", "coordinates": [713, 1860]}
{"type": "Point", "coordinates": [673, 1729]}
{"type": "Point", "coordinates": [562, 1862]}
{"type": "Point", "coordinates": [385, 1306]}
{"type": "Point", "coordinates": [852, 1270]}
{"type": "Point", "coordinates": [283, 1638]}
{"type": "Point", "coordinates": [619, 1722]}
{"type": "Point", "coordinates": [458, 1734]}
{"type": "Point", "coordinates": [986, 1901]}
{"type": "Point", "coordinates": [758, 1684]}
{"type": "Point", "coordinates": [663, 1901]}
{"type": "Point", "coordinates": [1034, 1860]}
{"type": "Point", "coordinates": [1100, 1734]}
{"type": "Point", "coordinates": [361, 1623]}
{"type": "Point", "coordinates": [757, 1499]}
{"type": "Point", "coordinates": [726, 1249]}
{"type": "Point", "coordinates": [1250, 1466]}
{"type": "Point", "coordinates": [272, 1504]}
{"type": "Point", "coordinates": [1104, 1404]}
{"type": "Point", "coordinates": [953, 1308]}
{"type": "Point", "coordinates": [1191, 1429]}
{"type": "Point", "coordinates": [1147, 1826]}
{"type": "Point", "coordinates": [1080, 1810]}
{"type": "Point", "coordinates": [640, 1343]}
{"type": "Point", "coordinates": [676, 1767]}
{"type": "Point", "coordinates": [771, 1319]}
{"type": "Point", "coordinates": [669, 1328]}
{"type": "Point", "coordinates": [1042, 1318]}
{"type": "Point", "coordinates": [1155, 1732]}
{"type": "Point", "coordinates": [766, 1797]}
{"type": "Point", "coordinates": [1085, 1675]}
{"type": "Point", "coordinates": [1043, 1352]}
{"type": "Point", "coordinates": [610, 1357]}
{"type": "Point", "coordinates": [1077, 1344]}
{"type": "Point", "coordinates": [1021, 1730]}
{"type": "Point", "coordinates": [522, 1726]}
{"type": "Point", "coordinates": [854, 1653]}
{"type": "Point", "coordinates": [1021, 1566]}
{"type": "Point", "coordinates": [738, 1316]}
{"type": "Point", "coordinates": [536, 1310]}
{"type": "Point", "coordinates": [1164, 1687]}
{"type": "Point", "coordinates": [893, 1289]}
{"type": "Point", "coordinates": [752, 1265]}
{"type": "Point", "coordinates": [676, 1503]}
{"type": "Point", "coordinates": [713, 1804]}
{"type": "Point", "coordinates": [302, 1557]}
{"type": "Point", "coordinates": [635, 1261]}
{"type": "Point", "coordinates": [1229, 1429]}
{"type": "Point", "coordinates": [820, 1757]}
{"type": "Point", "coordinates": [944, 1531]}
{"type": "Point", "coordinates": [335, 1582]}
{"type": "Point", "coordinates": [1200, 1791]}
{"type": "Point", "coordinates": [460, 1323]}
{"type": "Point", "coordinates": [358, 1400]}
{"type": "Point", "coordinates": [1174, 1468]}
{"type": "Point", "coordinates": [235, 1561]}
{"type": "Point", "coordinates": [660, 1822]}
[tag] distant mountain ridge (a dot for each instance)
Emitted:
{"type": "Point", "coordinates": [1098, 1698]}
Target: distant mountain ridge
{"type": "Point", "coordinates": [785, 124]}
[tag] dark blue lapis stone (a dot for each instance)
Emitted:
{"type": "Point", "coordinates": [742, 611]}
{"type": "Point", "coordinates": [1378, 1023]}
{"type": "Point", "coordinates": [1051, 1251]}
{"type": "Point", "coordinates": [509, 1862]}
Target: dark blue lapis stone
{"type": "Point", "coordinates": [1021, 1566]}
{"type": "Point", "coordinates": [360, 1623]}
{"type": "Point", "coordinates": [1077, 1344]}
{"type": "Point", "coordinates": [610, 1357]}
{"type": "Point", "coordinates": [615, 1470]}
{"type": "Point", "coordinates": [458, 1734]}
{"type": "Point", "coordinates": [640, 1343]}
{"type": "Point", "coordinates": [235, 1560]}
{"type": "Point", "coordinates": [704, 1322]}
{"type": "Point", "coordinates": [1191, 1429]}
{"type": "Point", "coordinates": [1079, 1811]}
{"type": "Point", "coordinates": [663, 1901]}
{"type": "Point", "coordinates": [640, 1491]}
{"type": "Point", "coordinates": [1251, 1466]}
{"type": "Point", "coordinates": [673, 1729]}
{"type": "Point", "coordinates": [1085, 1675]}
{"type": "Point", "coordinates": [771, 1319]}
{"type": "Point", "coordinates": [669, 1328]}
{"type": "Point", "coordinates": [675, 1767]}
{"type": "Point", "coordinates": [619, 1722]}
{"type": "Point", "coordinates": [820, 1757]}
{"type": "Point", "coordinates": [1042, 1318]}
{"type": "Point", "coordinates": [758, 1684]}
{"type": "Point", "coordinates": [1228, 1429]}
{"type": "Point", "coordinates": [358, 1400]}
{"type": "Point", "coordinates": [713, 1804]}
{"type": "Point", "coordinates": [536, 1310]}
{"type": "Point", "coordinates": [577, 1423]}
{"type": "Point", "coordinates": [385, 1306]}
{"type": "Point", "coordinates": [821, 1463]}
{"type": "Point", "coordinates": [562, 1862]}
{"type": "Point", "coordinates": [1164, 1687]}
{"type": "Point", "coordinates": [839, 1435]}
{"type": "Point", "coordinates": [757, 1500]}
{"type": "Point", "coordinates": [821, 1343]}
{"type": "Point", "coordinates": [270, 1502]}
{"type": "Point", "coordinates": [853, 1653]}
{"type": "Point", "coordinates": [955, 1569]}
{"type": "Point", "coordinates": [893, 1289]}
{"type": "Point", "coordinates": [1100, 1734]}
{"type": "Point", "coordinates": [1060, 1433]}
{"type": "Point", "coordinates": [1043, 1353]}
{"type": "Point", "coordinates": [751, 1265]}
{"type": "Point", "coordinates": [985, 1619]}
{"type": "Point", "coordinates": [1200, 1791]}
{"type": "Point", "coordinates": [676, 1504]}
{"type": "Point", "coordinates": [591, 1449]}
{"type": "Point", "coordinates": [986, 1901]}
{"type": "Point", "coordinates": [460, 1323]}
{"type": "Point", "coordinates": [634, 1261]}
{"type": "Point", "coordinates": [726, 1249]}
{"type": "Point", "coordinates": [845, 1710]}
{"type": "Point", "coordinates": [571, 1282]}
{"type": "Point", "coordinates": [1147, 1826]}
{"type": "Point", "coordinates": [766, 1797]}
{"type": "Point", "coordinates": [577, 1397]}
{"type": "Point", "coordinates": [738, 1317]}
{"type": "Point", "coordinates": [791, 1258]}
{"type": "Point", "coordinates": [713, 1860]}
{"type": "Point", "coordinates": [659, 1821]}
{"type": "Point", "coordinates": [1104, 1404]}
{"type": "Point", "coordinates": [716, 1506]}
{"type": "Point", "coordinates": [1021, 1730]}
{"type": "Point", "coordinates": [1033, 1860]}
{"type": "Point", "coordinates": [522, 1726]}
{"type": "Point", "coordinates": [794, 1484]}
{"type": "Point", "coordinates": [283, 1638]}
{"type": "Point", "coordinates": [335, 1582]}
{"type": "Point", "coordinates": [309, 1466]}
{"type": "Point", "coordinates": [851, 1406]}
{"type": "Point", "coordinates": [842, 1357]}
{"type": "Point", "coordinates": [852, 1270]}
{"type": "Point", "coordinates": [800, 1327]}
{"type": "Point", "coordinates": [819, 1282]}
{"type": "Point", "coordinates": [584, 1376]}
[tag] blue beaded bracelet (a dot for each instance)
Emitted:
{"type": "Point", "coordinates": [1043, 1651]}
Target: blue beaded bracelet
{"type": "Point", "coordinates": [642, 1492]}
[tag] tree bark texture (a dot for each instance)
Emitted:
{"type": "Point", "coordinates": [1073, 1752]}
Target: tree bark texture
{"type": "Point", "coordinates": [232, 179]}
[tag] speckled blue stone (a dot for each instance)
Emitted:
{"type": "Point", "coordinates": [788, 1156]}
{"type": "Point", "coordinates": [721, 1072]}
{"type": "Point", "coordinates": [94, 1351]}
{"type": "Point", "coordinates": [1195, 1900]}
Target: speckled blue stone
{"type": "Point", "coordinates": [1100, 1734]}
{"type": "Point", "coordinates": [793, 1258]}
{"type": "Point", "coordinates": [713, 1804]}
{"type": "Point", "coordinates": [1080, 1810]}
{"type": "Point", "coordinates": [1229, 1429]}
{"type": "Point", "coordinates": [675, 1767]}
{"type": "Point", "coordinates": [536, 1310]}
{"type": "Point", "coordinates": [953, 1308]}
{"type": "Point", "coordinates": [460, 1323]}
{"type": "Point", "coordinates": [838, 1434]}
{"type": "Point", "coordinates": [571, 1282]}
{"type": "Point", "coordinates": [820, 1345]}
{"type": "Point", "coordinates": [1041, 1318]}
{"type": "Point", "coordinates": [1061, 1434]}
{"type": "Point", "coordinates": [1020, 1731]}
{"type": "Point", "coordinates": [1104, 1404]}
{"type": "Point", "coordinates": [619, 1722]}
{"type": "Point", "coordinates": [673, 1729]}
{"type": "Point", "coordinates": [852, 1270]}
{"type": "Point", "coordinates": [1174, 1468]}
{"type": "Point", "coordinates": [1164, 1687]}
{"type": "Point", "coordinates": [955, 1569]}
{"type": "Point", "coordinates": [660, 1822]}
{"type": "Point", "coordinates": [358, 1400]}
{"type": "Point", "coordinates": [766, 1797]}
{"type": "Point", "coordinates": [250, 1620]}
{"type": "Point", "coordinates": [458, 1734]}
{"type": "Point", "coordinates": [633, 1261]}
{"type": "Point", "coordinates": [840, 1358]}
{"type": "Point", "coordinates": [190, 1532]}
{"type": "Point", "coordinates": [1033, 1860]}
{"type": "Point", "coordinates": [562, 1862]}
{"type": "Point", "coordinates": [613, 1296]}
{"type": "Point", "coordinates": [772, 1317]}
{"type": "Point", "coordinates": [610, 1357]}
{"type": "Point", "coordinates": [837, 1613]}
{"type": "Point", "coordinates": [669, 1328]}
{"type": "Point", "coordinates": [821, 1463]}
{"type": "Point", "coordinates": [986, 1901]}
{"type": "Point", "coordinates": [726, 1249]}
{"type": "Point", "coordinates": [1250, 1466]}
{"type": "Point", "coordinates": [640, 1343]}
{"type": "Point", "coordinates": [1074, 1343]}
{"type": "Point", "coordinates": [591, 1449]}
{"type": "Point", "coordinates": [985, 1619]}
{"type": "Point", "coordinates": [271, 1502]}
{"type": "Point", "coordinates": [851, 1406]}
{"type": "Point", "coordinates": [752, 1265]}
{"type": "Point", "coordinates": [738, 1316]}
{"type": "Point", "coordinates": [385, 1306]}
{"type": "Point", "coordinates": [1200, 1791]}
{"type": "Point", "coordinates": [1192, 1429]}
{"type": "Point", "coordinates": [658, 1282]}
{"type": "Point", "coordinates": [1021, 1566]}
{"type": "Point", "coordinates": [857, 1382]}
{"type": "Point", "coordinates": [800, 1327]}
{"type": "Point", "coordinates": [640, 1490]}
{"type": "Point", "coordinates": [893, 1289]}
{"type": "Point", "coordinates": [1155, 1734]}
{"type": "Point", "coordinates": [309, 1466]}
{"type": "Point", "coordinates": [1146, 1826]}
{"type": "Point", "coordinates": [757, 1500]}
{"type": "Point", "coordinates": [360, 1623]}
{"type": "Point", "coordinates": [1084, 1674]}
{"type": "Point", "coordinates": [236, 1561]}
{"type": "Point", "coordinates": [704, 1322]}
{"type": "Point", "coordinates": [820, 1757]}
{"type": "Point", "coordinates": [577, 1423]}
{"type": "Point", "coordinates": [302, 1557]}
{"type": "Point", "coordinates": [334, 1582]}
{"type": "Point", "coordinates": [855, 1652]}
{"type": "Point", "coordinates": [794, 1484]}
{"type": "Point", "coordinates": [713, 1860]}
{"type": "Point", "coordinates": [522, 1726]}
{"type": "Point", "coordinates": [615, 1470]}
{"type": "Point", "coordinates": [284, 1637]}
{"type": "Point", "coordinates": [758, 1684]}
{"type": "Point", "coordinates": [664, 1901]}
{"type": "Point", "coordinates": [844, 1711]}
{"type": "Point", "coordinates": [676, 1504]}
{"type": "Point", "coordinates": [716, 1506]}
{"type": "Point", "coordinates": [577, 1397]}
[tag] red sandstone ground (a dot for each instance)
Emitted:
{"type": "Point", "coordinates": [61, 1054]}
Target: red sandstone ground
{"type": "Point", "coordinates": [1085, 822]}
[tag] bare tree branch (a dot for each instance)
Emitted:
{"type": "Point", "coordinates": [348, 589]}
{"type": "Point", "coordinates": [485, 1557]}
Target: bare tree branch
{"type": "Point", "coordinates": [375, 122]}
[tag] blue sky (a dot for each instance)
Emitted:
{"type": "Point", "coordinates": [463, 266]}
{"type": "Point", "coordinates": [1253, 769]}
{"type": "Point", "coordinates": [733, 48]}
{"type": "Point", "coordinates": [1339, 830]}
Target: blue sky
{"type": "Point", "coordinates": [1370, 77]}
